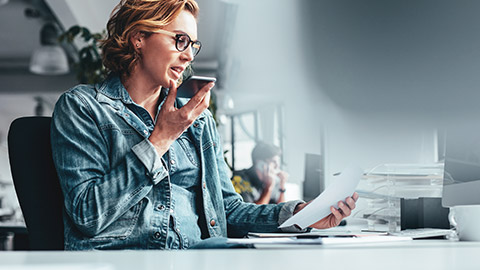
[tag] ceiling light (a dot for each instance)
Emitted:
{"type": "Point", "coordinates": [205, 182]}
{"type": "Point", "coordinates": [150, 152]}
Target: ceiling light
{"type": "Point", "coordinates": [50, 58]}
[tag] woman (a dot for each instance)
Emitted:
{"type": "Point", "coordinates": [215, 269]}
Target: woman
{"type": "Point", "coordinates": [140, 168]}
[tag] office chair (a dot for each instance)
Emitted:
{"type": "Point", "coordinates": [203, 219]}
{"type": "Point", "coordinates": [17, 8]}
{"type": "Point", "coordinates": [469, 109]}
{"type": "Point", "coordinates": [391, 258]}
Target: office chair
{"type": "Point", "coordinates": [36, 182]}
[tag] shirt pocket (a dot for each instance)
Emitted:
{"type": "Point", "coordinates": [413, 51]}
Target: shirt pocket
{"type": "Point", "coordinates": [123, 226]}
{"type": "Point", "coordinates": [189, 148]}
{"type": "Point", "coordinates": [119, 141]}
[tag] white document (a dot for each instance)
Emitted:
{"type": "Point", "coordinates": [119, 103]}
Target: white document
{"type": "Point", "coordinates": [275, 241]}
{"type": "Point", "coordinates": [342, 187]}
{"type": "Point", "coordinates": [287, 242]}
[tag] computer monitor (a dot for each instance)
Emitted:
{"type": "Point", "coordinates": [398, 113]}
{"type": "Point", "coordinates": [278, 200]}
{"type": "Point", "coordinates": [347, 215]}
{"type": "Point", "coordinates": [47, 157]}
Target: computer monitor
{"type": "Point", "coordinates": [314, 183]}
{"type": "Point", "coordinates": [461, 181]}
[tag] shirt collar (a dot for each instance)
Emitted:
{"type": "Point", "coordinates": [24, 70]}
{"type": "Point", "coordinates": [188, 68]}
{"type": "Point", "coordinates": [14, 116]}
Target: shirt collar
{"type": "Point", "coordinates": [113, 88]}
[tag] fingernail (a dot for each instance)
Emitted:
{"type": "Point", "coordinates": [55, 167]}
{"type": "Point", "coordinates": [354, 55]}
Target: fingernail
{"type": "Point", "coordinates": [212, 84]}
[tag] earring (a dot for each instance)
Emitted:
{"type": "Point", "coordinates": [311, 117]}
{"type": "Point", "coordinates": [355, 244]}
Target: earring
{"type": "Point", "coordinates": [138, 45]}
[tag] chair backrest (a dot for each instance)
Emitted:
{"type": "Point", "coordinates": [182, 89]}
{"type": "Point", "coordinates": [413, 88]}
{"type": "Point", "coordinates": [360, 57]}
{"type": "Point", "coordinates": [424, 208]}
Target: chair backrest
{"type": "Point", "coordinates": [36, 181]}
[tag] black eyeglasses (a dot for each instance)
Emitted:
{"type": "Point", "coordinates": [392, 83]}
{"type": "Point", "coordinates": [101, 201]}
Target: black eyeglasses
{"type": "Point", "coordinates": [183, 41]}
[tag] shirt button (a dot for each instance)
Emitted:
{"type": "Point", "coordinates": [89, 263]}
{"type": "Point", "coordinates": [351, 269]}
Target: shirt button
{"type": "Point", "coordinates": [178, 230]}
{"type": "Point", "coordinates": [195, 125]}
{"type": "Point", "coordinates": [171, 211]}
{"type": "Point", "coordinates": [161, 207]}
{"type": "Point", "coordinates": [212, 222]}
{"type": "Point", "coordinates": [157, 235]}
{"type": "Point", "coordinates": [145, 132]}
{"type": "Point", "coordinates": [204, 185]}
{"type": "Point", "coordinates": [172, 161]}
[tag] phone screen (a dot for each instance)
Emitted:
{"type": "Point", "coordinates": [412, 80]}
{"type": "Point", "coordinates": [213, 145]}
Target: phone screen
{"type": "Point", "coordinates": [192, 85]}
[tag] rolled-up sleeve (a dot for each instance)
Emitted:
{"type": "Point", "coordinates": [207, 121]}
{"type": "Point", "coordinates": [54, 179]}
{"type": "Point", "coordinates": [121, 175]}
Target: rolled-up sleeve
{"type": "Point", "coordinates": [286, 212]}
{"type": "Point", "coordinates": [147, 154]}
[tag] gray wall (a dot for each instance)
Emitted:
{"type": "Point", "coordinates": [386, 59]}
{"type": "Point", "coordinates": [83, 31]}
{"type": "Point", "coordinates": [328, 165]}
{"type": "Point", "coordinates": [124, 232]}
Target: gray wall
{"type": "Point", "coordinates": [379, 76]}
{"type": "Point", "coordinates": [382, 55]}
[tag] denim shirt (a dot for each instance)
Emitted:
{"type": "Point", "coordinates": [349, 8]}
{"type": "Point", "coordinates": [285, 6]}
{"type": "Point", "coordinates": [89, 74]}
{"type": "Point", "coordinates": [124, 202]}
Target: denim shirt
{"type": "Point", "coordinates": [184, 172]}
{"type": "Point", "coordinates": [118, 192]}
{"type": "Point", "coordinates": [185, 180]}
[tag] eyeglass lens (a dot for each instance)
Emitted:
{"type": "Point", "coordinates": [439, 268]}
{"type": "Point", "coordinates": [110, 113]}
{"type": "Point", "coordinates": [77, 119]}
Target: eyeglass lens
{"type": "Point", "coordinates": [183, 41]}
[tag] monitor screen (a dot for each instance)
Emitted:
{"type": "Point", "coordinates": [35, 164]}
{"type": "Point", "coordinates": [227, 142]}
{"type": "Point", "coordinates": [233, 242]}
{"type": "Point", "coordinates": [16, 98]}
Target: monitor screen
{"type": "Point", "coordinates": [461, 181]}
{"type": "Point", "coordinates": [313, 183]}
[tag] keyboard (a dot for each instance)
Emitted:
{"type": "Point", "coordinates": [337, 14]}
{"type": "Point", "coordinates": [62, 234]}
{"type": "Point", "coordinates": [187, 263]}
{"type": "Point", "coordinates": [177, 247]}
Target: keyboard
{"type": "Point", "coordinates": [423, 233]}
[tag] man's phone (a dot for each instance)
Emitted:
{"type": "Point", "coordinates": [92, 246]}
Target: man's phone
{"type": "Point", "coordinates": [192, 85]}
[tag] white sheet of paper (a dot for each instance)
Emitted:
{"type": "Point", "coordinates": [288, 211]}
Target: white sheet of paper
{"type": "Point", "coordinates": [343, 186]}
{"type": "Point", "coordinates": [287, 242]}
{"type": "Point", "coordinates": [275, 241]}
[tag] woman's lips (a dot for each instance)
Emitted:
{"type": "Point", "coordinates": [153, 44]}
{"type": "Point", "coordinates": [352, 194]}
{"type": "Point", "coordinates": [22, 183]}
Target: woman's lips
{"type": "Point", "coordinates": [177, 71]}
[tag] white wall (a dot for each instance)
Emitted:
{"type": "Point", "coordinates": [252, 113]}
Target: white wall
{"type": "Point", "coordinates": [393, 72]}
{"type": "Point", "coordinates": [268, 68]}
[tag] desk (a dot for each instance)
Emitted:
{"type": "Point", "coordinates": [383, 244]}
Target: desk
{"type": "Point", "coordinates": [418, 254]}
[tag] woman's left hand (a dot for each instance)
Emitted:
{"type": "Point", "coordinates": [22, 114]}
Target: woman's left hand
{"type": "Point", "coordinates": [344, 210]}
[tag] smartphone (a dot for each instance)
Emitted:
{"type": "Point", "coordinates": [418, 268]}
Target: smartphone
{"type": "Point", "coordinates": [191, 86]}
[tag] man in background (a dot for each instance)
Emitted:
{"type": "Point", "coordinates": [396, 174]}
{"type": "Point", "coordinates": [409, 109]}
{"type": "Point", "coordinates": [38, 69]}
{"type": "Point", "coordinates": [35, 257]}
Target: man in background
{"type": "Point", "coordinates": [264, 182]}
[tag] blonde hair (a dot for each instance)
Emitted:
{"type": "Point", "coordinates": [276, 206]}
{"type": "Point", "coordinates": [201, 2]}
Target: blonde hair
{"type": "Point", "coordinates": [132, 16]}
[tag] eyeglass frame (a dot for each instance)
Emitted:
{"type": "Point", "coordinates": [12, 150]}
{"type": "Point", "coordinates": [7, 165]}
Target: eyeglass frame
{"type": "Point", "coordinates": [177, 36]}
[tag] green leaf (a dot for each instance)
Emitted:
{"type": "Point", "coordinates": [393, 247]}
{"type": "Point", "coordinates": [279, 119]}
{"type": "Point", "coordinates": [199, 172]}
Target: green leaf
{"type": "Point", "coordinates": [86, 34]}
{"type": "Point", "coordinates": [74, 30]}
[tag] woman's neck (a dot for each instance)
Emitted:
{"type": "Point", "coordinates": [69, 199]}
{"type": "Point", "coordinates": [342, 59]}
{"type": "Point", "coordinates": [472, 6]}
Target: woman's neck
{"type": "Point", "coordinates": [143, 91]}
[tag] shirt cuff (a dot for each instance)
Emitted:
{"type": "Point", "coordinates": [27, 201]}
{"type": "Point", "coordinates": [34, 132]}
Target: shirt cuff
{"type": "Point", "coordinates": [147, 154]}
{"type": "Point", "coordinates": [286, 212]}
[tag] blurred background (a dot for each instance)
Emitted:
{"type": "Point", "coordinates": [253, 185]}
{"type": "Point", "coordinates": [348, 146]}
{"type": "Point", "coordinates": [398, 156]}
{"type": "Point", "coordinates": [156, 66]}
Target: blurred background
{"type": "Point", "coordinates": [357, 83]}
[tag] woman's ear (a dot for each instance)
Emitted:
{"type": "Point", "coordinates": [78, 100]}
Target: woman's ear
{"type": "Point", "coordinates": [137, 40]}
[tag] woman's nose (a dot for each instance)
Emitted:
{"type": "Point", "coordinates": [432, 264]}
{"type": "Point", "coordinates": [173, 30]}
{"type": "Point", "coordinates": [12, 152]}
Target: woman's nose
{"type": "Point", "coordinates": [188, 54]}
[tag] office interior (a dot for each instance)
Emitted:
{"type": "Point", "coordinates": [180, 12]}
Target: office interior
{"type": "Point", "coordinates": [360, 83]}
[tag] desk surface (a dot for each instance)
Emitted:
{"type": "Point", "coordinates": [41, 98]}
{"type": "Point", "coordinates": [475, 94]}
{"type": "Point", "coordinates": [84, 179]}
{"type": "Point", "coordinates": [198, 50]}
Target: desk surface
{"type": "Point", "coordinates": [418, 254]}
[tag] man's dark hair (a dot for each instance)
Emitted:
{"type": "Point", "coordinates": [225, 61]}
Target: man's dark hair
{"type": "Point", "coordinates": [264, 151]}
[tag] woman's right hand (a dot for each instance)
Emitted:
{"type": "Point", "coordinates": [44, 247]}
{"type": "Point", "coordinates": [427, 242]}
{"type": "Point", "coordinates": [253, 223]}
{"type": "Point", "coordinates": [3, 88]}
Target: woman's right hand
{"type": "Point", "coordinates": [172, 122]}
